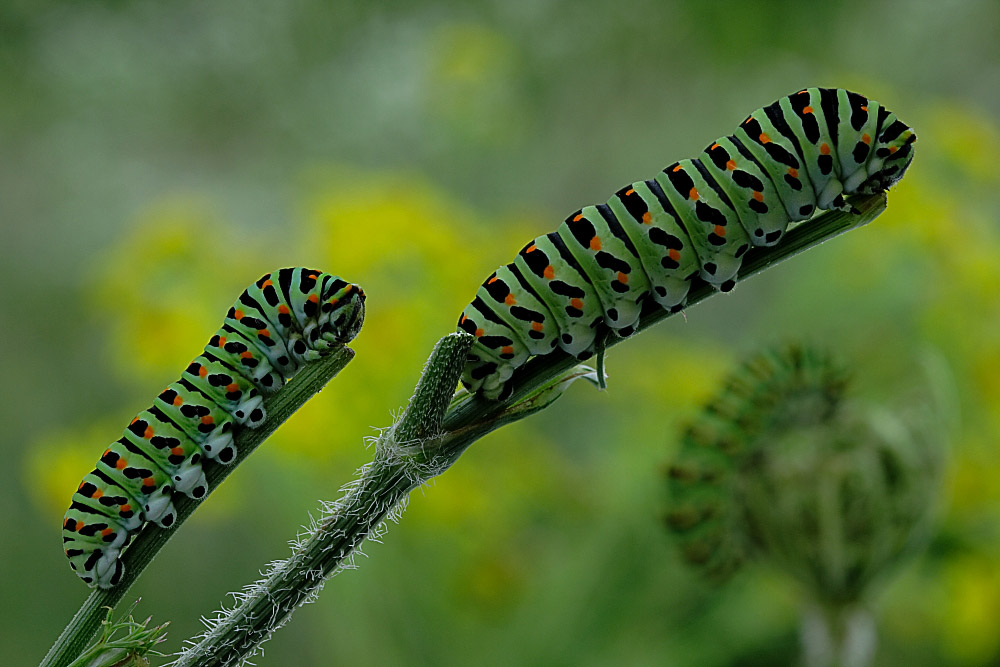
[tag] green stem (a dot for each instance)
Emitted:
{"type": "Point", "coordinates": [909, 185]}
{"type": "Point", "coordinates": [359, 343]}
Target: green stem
{"type": "Point", "coordinates": [426, 442]}
{"type": "Point", "coordinates": [406, 456]}
{"type": "Point", "coordinates": [838, 636]}
{"type": "Point", "coordinates": [77, 635]}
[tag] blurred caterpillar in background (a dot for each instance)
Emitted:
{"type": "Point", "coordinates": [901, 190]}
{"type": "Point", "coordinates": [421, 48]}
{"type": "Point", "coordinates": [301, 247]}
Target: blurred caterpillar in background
{"type": "Point", "coordinates": [695, 218]}
{"type": "Point", "coordinates": [280, 323]}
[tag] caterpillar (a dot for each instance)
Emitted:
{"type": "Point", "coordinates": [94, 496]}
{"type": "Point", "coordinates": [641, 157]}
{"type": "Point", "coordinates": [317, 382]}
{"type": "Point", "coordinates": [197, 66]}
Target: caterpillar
{"type": "Point", "coordinates": [697, 217]}
{"type": "Point", "coordinates": [283, 321]}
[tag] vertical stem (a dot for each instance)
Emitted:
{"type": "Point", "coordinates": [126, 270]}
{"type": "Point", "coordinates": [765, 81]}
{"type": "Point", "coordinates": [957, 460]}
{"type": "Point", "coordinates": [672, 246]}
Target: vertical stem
{"type": "Point", "coordinates": [838, 636]}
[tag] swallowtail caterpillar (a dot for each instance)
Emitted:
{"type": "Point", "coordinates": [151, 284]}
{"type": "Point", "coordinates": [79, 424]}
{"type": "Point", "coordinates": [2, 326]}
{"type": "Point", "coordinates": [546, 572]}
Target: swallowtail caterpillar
{"type": "Point", "coordinates": [287, 319]}
{"type": "Point", "coordinates": [697, 217]}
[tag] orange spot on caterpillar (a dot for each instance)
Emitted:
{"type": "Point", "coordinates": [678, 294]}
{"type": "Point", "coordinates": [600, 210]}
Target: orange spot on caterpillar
{"type": "Point", "coordinates": [334, 301]}
{"type": "Point", "coordinates": [864, 108]}
{"type": "Point", "coordinates": [720, 230]}
{"type": "Point", "coordinates": [222, 340]}
{"type": "Point", "coordinates": [97, 494]}
{"type": "Point", "coordinates": [148, 435]}
{"type": "Point", "coordinates": [283, 309]}
{"type": "Point", "coordinates": [808, 110]}
{"type": "Point", "coordinates": [629, 192]}
{"type": "Point", "coordinates": [731, 165]}
{"type": "Point", "coordinates": [492, 280]}
{"type": "Point", "coordinates": [713, 146]}
{"type": "Point", "coordinates": [678, 168]}
{"type": "Point", "coordinates": [694, 194]}
{"type": "Point", "coordinates": [825, 148]}
{"type": "Point", "coordinates": [893, 149]}
{"type": "Point", "coordinates": [510, 300]}
{"type": "Point", "coordinates": [675, 254]}
{"type": "Point", "coordinates": [464, 318]}
{"type": "Point", "coordinates": [866, 138]}
{"type": "Point", "coordinates": [577, 303]}
{"type": "Point", "coordinates": [232, 387]}
{"type": "Point", "coordinates": [121, 464]}
{"type": "Point", "coordinates": [531, 248]}
{"type": "Point", "coordinates": [347, 290]}
{"type": "Point", "coordinates": [239, 315]}
{"type": "Point", "coordinates": [578, 218]}
{"type": "Point", "coordinates": [313, 298]}
{"type": "Point", "coordinates": [480, 333]}
{"type": "Point", "coordinates": [134, 420]}
{"type": "Point", "coordinates": [106, 532]}
{"type": "Point", "coordinates": [177, 451]}
{"type": "Point", "coordinates": [647, 218]}
{"type": "Point", "coordinates": [764, 139]}
{"type": "Point", "coordinates": [537, 326]}
{"type": "Point", "coordinates": [208, 419]}
{"type": "Point", "coordinates": [125, 508]}
{"type": "Point", "coordinates": [149, 481]}
{"type": "Point", "coordinates": [595, 243]}
{"type": "Point", "coordinates": [507, 349]}
{"type": "Point", "coordinates": [550, 272]}
{"type": "Point", "coordinates": [203, 371]}
{"type": "Point", "coordinates": [268, 283]}
{"type": "Point", "coordinates": [265, 333]}
{"type": "Point", "coordinates": [623, 278]}
{"type": "Point", "coordinates": [794, 173]}
{"type": "Point", "coordinates": [178, 401]}
{"type": "Point", "coordinates": [79, 525]}
{"type": "Point", "coordinates": [758, 195]}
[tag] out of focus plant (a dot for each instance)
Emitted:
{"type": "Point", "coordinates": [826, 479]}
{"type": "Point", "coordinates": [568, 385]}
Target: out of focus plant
{"type": "Point", "coordinates": [782, 467]}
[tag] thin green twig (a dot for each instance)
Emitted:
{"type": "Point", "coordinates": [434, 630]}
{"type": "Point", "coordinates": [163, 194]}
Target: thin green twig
{"type": "Point", "coordinates": [76, 636]}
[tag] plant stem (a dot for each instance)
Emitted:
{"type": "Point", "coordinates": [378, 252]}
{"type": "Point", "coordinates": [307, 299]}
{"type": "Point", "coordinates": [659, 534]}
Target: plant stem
{"type": "Point", "coordinates": [838, 636]}
{"type": "Point", "coordinates": [427, 441]}
{"type": "Point", "coordinates": [76, 636]}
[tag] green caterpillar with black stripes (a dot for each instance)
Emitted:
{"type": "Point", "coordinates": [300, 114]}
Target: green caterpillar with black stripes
{"type": "Point", "coordinates": [697, 217]}
{"type": "Point", "coordinates": [282, 322]}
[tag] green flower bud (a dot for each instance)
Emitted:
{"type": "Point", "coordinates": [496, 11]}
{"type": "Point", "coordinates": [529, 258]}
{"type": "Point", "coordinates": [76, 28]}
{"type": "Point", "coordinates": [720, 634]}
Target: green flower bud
{"type": "Point", "coordinates": [780, 466]}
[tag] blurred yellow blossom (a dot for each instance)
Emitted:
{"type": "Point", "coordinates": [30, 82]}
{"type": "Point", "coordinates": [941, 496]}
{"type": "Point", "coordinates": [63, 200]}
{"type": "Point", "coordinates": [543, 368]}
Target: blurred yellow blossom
{"type": "Point", "coordinates": [973, 583]}
{"type": "Point", "coordinates": [164, 289]}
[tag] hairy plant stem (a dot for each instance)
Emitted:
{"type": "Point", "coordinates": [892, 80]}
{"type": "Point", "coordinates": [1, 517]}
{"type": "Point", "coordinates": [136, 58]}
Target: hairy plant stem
{"type": "Point", "coordinates": [76, 636]}
{"type": "Point", "coordinates": [428, 439]}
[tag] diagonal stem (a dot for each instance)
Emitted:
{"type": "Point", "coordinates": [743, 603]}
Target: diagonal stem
{"type": "Point", "coordinates": [76, 636]}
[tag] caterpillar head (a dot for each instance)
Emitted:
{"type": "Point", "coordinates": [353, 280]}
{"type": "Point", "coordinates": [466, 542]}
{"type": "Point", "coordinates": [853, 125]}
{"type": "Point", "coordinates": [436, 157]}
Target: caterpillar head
{"type": "Point", "coordinates": [346, 314]}
{"type": "Point", "coordinates": [892, 156]}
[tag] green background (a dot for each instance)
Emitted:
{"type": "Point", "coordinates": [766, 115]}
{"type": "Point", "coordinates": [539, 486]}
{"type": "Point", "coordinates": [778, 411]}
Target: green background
{"type": "Point", "coordinates": [155, 157]}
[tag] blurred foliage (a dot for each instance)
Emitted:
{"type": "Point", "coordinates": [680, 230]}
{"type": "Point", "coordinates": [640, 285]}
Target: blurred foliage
{"type": "Point", "coordinates": [782, 467]}
{"type": "Point", "coordinates": [157, 157]}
